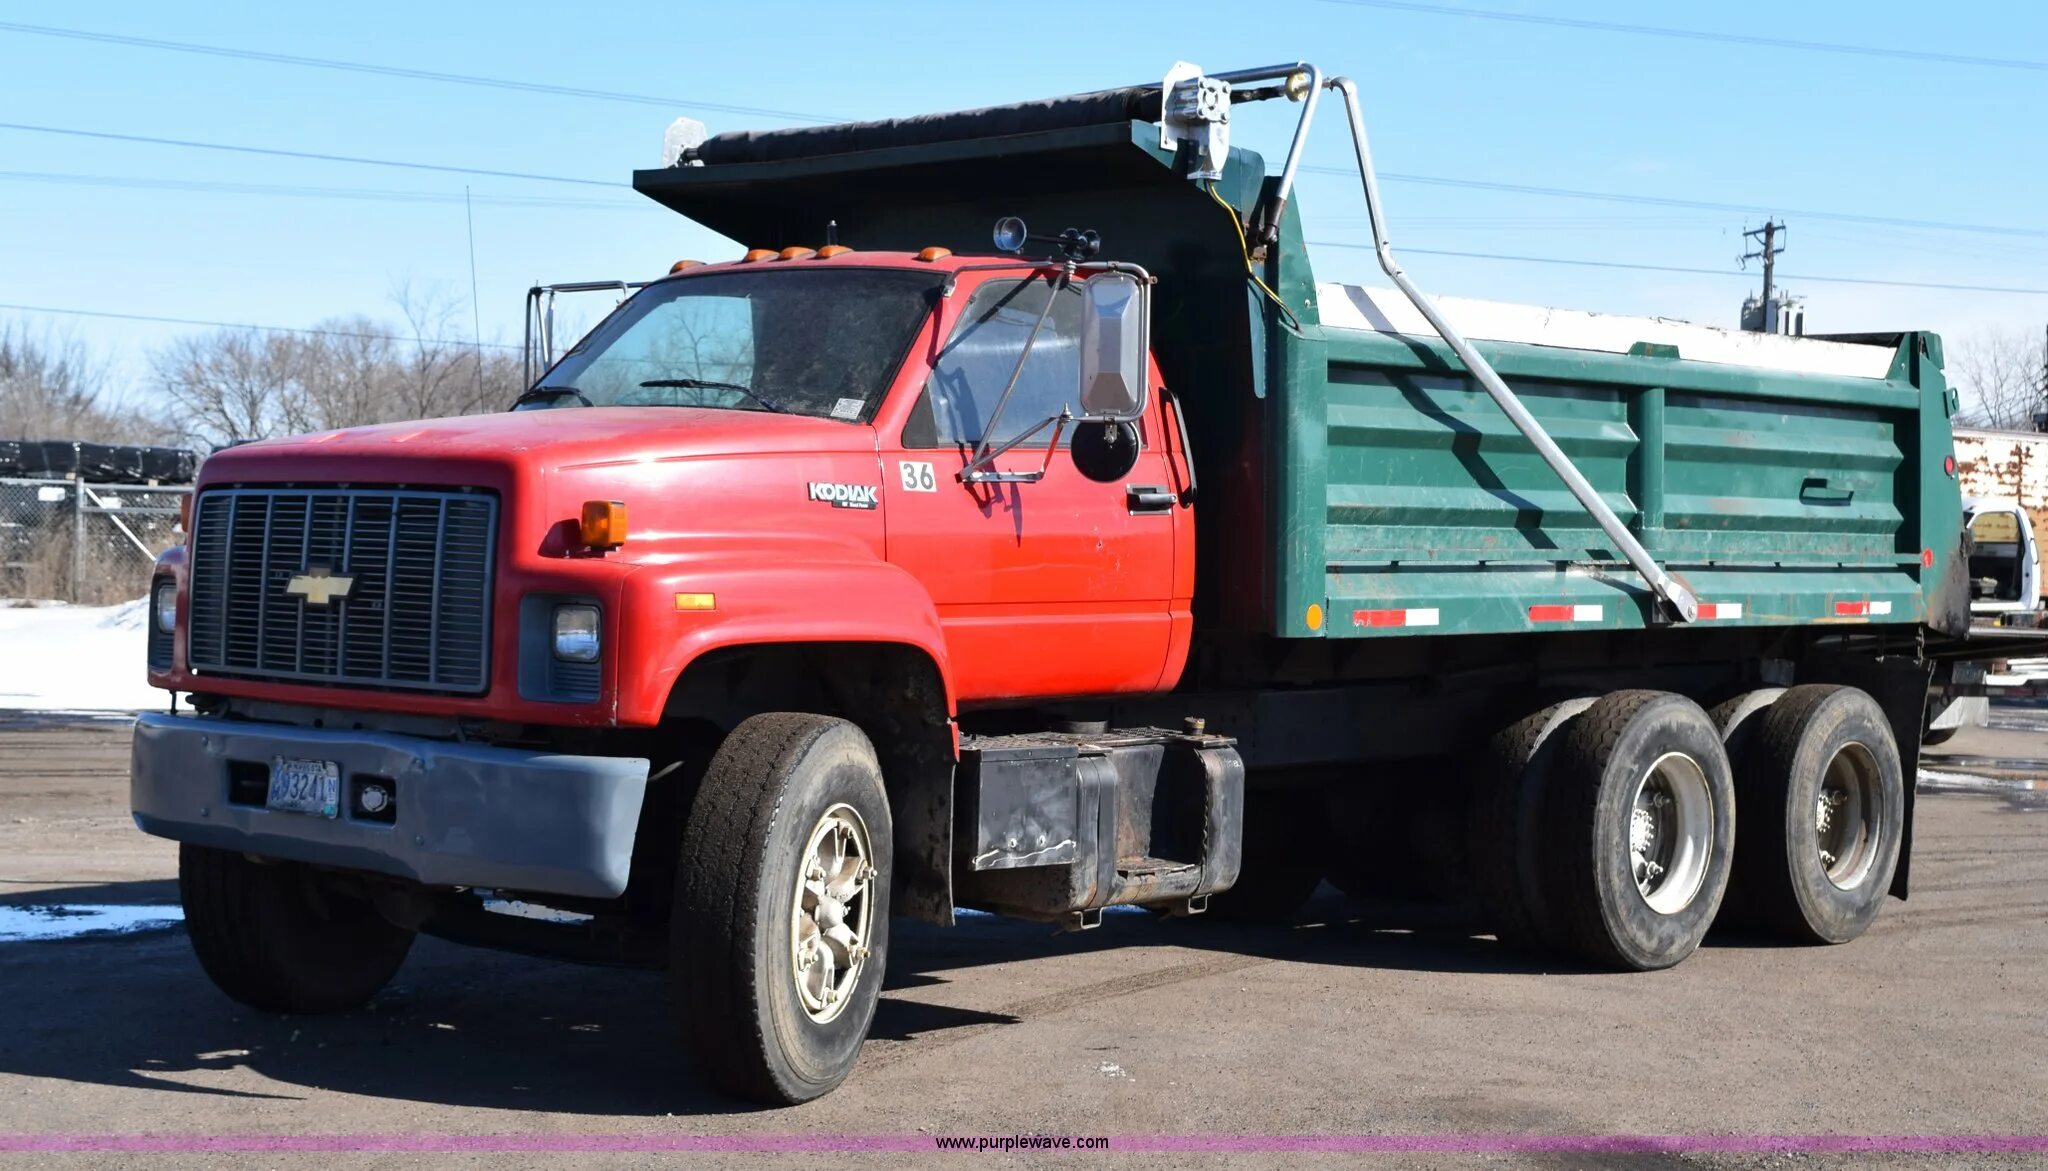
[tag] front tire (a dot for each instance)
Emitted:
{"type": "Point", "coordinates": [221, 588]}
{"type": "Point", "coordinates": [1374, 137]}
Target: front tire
{"type": "Point", "coordinates": [1824, 793]}
{"type": "Point", "coordinates": [271, 936]}
{"type": "Point", "coordinates": [1641, 830]}
{"type": "Point", "coordinates": [781, 924]}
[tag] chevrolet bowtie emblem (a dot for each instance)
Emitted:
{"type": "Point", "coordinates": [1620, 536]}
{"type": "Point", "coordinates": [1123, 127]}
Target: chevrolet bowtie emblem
{"type": "Point", "coordinates": [319, 586]}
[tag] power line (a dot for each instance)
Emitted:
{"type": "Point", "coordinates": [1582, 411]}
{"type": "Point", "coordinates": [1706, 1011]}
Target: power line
{"type": "Point", "coordinates": [397, 71]}
{"type": "Point", "coordinates": [381, 337]}
{"type": "Point", "coordinates": [1670, 201]}
{"type": "Point", "coordinates": [1721, 272]}
{"type": "Point", "coordinates": [1390, 176]}
{"type": "Point", "coordinates": [212, 186]}
{"type": "Point", "coordinates": [301, 154]}
{"type": "Point", "coordinates": [1688, 34]}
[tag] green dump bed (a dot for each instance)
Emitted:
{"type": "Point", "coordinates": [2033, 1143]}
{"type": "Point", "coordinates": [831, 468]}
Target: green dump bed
{"type": "Point", "coordinates": [1784, 480]}
{"type": "Point", "coordinates": [1356, 483]}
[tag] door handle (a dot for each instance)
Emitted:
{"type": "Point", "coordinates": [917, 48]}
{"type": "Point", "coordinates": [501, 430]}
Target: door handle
{"type": "Point", "coordinates": [1816, 490]}
{"type": "Point", "coordinates": [1144, 499]}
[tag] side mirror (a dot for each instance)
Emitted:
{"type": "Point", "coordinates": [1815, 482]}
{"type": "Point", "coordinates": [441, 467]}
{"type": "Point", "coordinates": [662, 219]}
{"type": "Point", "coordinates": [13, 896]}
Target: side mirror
{"type": "Point", "coordinates": [1104, 451]}
{"type": "Point", "coordinates": [1116, 338]}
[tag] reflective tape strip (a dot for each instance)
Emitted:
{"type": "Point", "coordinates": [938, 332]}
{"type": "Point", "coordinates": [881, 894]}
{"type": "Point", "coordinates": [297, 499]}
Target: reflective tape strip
{"type": "Point", "coordinates": [1717, 610]}
{"type": "Point", "coordinates": [1562, 613]}
{"type": "Point", "coordinates": [1427, 616]}
{"type": "Point", "coordinates": [1862, 609]}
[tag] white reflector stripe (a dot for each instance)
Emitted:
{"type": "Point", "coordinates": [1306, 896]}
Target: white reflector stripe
{"type": "Point", "coordinates": [1411, 617]}
{"type": "Point", "coordinates": [1718, 610]}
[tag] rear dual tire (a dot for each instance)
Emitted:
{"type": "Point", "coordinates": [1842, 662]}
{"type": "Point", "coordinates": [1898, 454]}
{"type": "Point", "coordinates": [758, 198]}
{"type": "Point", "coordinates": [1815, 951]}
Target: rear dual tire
{"type": "Point", "coordinates": [1640, 830]}
{"type": "Point", "coordinates": [1823, 789]}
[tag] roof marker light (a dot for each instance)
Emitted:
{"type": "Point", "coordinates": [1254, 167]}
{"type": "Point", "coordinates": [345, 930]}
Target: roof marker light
{"type": "Point", "coordinates": [797, 253]}
{"type": "Point", "coordinates": [680, 265]}
{"type": "Point", "coordinates": [934, 253]}
{"type": "Point", "coordinates": [754, 254]}
{"type": "Point", "coordinates": [831, 250]}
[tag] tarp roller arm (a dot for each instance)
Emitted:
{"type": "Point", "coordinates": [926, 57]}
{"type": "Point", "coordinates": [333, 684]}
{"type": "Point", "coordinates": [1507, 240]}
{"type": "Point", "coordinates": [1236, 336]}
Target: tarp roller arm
{"type": "Point", "coordinates": [1675, 596]}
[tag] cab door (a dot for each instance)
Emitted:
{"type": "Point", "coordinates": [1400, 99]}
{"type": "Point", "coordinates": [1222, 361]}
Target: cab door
{"type": "Point", "coordinates": [1059, 587]}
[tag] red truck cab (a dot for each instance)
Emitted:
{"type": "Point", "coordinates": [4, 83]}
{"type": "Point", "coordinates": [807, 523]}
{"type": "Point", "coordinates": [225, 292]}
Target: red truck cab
{"type": "Point", "coordinates": [733, 506]}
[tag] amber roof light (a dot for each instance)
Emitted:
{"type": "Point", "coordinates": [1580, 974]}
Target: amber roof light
{"type": "Point", "coordinates": [798, 253]}
{"type": "Point", "coordinates": [934, 253]}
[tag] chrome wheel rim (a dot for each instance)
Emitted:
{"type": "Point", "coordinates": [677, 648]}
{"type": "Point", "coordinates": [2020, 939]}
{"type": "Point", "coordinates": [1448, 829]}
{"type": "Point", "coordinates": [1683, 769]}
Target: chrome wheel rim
{"type": "Point", "coordinates": [1671, 832]}
{"type": "Point", "coordinates": [833, 912]}
{"type": "Point", "coordinates": [1848, 818]}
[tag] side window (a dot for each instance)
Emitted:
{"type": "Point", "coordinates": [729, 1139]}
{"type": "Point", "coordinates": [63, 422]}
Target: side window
{"type": "Point", "coordinates": [976, 362]}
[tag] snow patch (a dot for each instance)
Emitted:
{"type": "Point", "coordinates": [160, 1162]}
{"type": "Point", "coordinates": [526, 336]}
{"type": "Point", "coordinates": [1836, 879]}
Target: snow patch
{"type": "Point", "coordinates": [77, 658]}
{"type": "Point", "coordinates": [68, 921]}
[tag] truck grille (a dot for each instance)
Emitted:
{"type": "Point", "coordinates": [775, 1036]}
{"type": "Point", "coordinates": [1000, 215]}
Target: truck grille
{"type": "Point", "coordinates": [416, 610]}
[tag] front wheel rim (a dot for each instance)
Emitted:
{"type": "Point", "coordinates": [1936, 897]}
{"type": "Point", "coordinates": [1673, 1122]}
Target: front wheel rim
{"type": "Point", "coordinates": [1848, 817]}
{"type": "Point", "coordinates": [1671, 832]}
{"type": "Point", "coordinates": [833, 913]}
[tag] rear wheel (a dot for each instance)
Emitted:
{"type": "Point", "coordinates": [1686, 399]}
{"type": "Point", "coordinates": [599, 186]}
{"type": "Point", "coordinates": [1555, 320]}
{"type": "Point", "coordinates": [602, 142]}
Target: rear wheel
{"type": "Point", "coordinates": [781, 923]}
{"type": "Point", "coordinates": [1641, 819]}
{"type": "Point", "coordinates": [271, 935]}
{"type": "Point", "coordinates": [1510, 772]}
{"type": "Point", "coordinates": [1823, 793]}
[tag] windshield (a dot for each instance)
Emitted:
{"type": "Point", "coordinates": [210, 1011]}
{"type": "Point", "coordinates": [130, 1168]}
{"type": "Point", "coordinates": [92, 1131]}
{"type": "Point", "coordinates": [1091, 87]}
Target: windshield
{"type": "Point", "coordinates": [816, 341]}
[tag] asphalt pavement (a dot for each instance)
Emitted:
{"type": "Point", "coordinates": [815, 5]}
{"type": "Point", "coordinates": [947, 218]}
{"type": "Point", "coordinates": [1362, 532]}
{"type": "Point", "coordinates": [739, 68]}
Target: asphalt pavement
{"type": "Point", "coordinates": [1398, 1026]}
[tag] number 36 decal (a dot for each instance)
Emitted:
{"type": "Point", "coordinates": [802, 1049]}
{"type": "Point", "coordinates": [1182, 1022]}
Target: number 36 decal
{"type": "Point", "coordinates": [917, 477]}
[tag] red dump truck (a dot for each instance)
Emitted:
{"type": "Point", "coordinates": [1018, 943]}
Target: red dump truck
{"type": "Point", "coordinates": [950, 564]}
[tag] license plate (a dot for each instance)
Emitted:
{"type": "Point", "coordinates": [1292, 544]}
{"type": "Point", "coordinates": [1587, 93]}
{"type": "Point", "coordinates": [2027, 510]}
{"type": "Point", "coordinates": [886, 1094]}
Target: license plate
{"type": "Point", "coordinates": [305, 786]}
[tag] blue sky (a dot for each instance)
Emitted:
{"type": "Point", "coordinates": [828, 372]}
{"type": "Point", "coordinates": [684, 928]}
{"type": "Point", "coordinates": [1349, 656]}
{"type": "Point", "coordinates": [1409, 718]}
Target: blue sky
{"type": "Point", "coordinates": [1768, 129]}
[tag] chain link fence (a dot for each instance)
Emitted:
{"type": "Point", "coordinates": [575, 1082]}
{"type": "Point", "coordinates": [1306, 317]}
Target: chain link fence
{"type": "Point", "coordinates": [90, 544]}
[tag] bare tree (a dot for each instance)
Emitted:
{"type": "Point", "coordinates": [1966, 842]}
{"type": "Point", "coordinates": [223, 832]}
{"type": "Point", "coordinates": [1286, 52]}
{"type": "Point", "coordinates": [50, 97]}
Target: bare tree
{"type": "Point", "coordinates": [234, 385]}
{"type": "Point", "coordinates": [53, 387]}
{"type": "Point", "coordinates": [2002, 378]}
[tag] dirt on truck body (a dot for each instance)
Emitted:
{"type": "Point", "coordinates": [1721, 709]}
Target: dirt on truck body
{"type": "Point", "coordinates": [1120, 563]}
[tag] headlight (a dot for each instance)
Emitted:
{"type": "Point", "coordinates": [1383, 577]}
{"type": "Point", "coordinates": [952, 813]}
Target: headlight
{"type": "Point", "coordinates": [166, 605]}
{"type": "Point", "coordinates": [576, 634]}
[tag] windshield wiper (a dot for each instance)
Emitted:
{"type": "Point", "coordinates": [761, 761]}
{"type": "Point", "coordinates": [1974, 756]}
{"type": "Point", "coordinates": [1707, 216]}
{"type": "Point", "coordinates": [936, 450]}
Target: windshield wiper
{"type": "Point", "coordinates": [708, 384]}
{"type": "Point", "coordinates": [548, 394]}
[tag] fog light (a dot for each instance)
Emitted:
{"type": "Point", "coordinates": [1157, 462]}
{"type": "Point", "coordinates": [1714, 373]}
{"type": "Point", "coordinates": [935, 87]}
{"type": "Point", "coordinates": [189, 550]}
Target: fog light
{"type": "Point", "coordinates": [576, 634]}
{"type": "Point", "coordinates": [166, 602]}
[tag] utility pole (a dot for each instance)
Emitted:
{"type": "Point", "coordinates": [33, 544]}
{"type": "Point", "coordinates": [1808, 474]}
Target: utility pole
{"type": "Point", "coordinates": [1767, 251]}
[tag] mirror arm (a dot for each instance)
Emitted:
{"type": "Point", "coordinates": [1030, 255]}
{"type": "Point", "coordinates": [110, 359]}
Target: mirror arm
{"type": "Point", "coordinates": [981, 451]}
{"type": "Point", "coordinates": [978, 472]}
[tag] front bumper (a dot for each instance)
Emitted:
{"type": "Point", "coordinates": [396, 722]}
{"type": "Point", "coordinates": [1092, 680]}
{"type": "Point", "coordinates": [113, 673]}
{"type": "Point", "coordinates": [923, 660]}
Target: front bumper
{"type": "Point", "coordinates": [466, 814]}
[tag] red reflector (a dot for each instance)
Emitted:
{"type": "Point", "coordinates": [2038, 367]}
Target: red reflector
{"type": "Point", "coordinates": [1949, 465]}
{"type": "Point", "coordinates": [1927, 558]}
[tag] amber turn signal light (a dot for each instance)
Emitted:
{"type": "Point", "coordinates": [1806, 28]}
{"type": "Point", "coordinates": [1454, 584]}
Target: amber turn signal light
{"type": "Point", "coordinates": [604, 523]}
